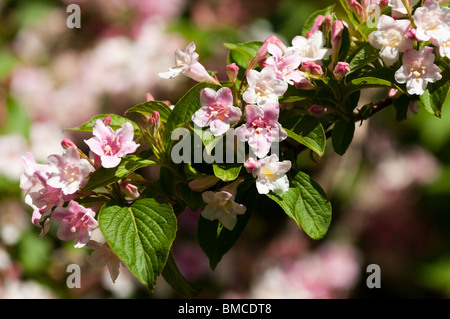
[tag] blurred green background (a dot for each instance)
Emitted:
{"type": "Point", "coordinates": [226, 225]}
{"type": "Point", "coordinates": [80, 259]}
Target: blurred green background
{"type": "Point", "coordinates": [390, 192]}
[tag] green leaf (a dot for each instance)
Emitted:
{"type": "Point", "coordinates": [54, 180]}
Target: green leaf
{"type": "Point", "coordinates": [310, 21]}
{"type": "Point", "coordinates": [105, 176]}
{"type": "Point", "coordinates": [148, 107]}
{"type": "Point", "coordinates": [362, 56]}
{"type": "Point", "coordinates": [307, 204]}
{"type": "Point", "coordinates": [242, 53]}
{"type": "Point", "coordinates": [116, 122]}
{"type": "Point", "coordinates": [185, 108]}
{"type": "Point", "coordinates": [342, 135]}
{"type": "Point", "coordinates": [214, 239]}
{"type": "Point", "coordinates": [176, 280]}
{"type": "Point", "coordinates": [141, 235]}
{"type": "Point", "coordinates": [308, 131]}
{"type": "Point", "coordinates": [227, 172]}
{"type": "Point", "coordinates": [434, 96]}
{"type": "Point", "coordinates": [366, 82]}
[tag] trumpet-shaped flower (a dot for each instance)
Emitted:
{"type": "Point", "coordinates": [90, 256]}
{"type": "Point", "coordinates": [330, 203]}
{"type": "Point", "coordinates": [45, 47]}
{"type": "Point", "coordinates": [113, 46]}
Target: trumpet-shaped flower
{"type": "Point", "coordinates": [432, 22]}
{"type": "Point", "coordinates": [221, 205]}
{"type": "Point", "coordinates": [391, 38]}
{"type": "Point", "coordinates": [417, 70]}
{"type": "Point", "coordinates": [68, 171]}
{"type": "Point", "coordinates": [33, 172]}
{"type": "Point", "coordinates": [264, 87]}
{"type": "Point", "coordinates": [312, 48]}
{"type": "Point", "coordinates": [186, 63]}
{"type": "Point", "coordinates": [270, 174]}
{"type": "Point", "coordinates": [262, 128]}
{"type": "Point", "coordinates": [111, 145]}
{"type": "Point", "coordinates": [76, 223]}
{"type": "Point", "coordinates": [217, 110]}
{"type": "Point", "coordinates": [285, 63]}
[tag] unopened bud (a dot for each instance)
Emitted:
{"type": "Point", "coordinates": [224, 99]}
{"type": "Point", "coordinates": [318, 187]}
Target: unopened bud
{"type": "Point", "coordinates": [107, 120]}
{"type": "Point", "coordinates": [394, 94]}
{"type": "Point", "coordinates": [66, 143]}
{"type": "Point", "coordinates": [129, 189]}
{"type": "Point", "coordinates": [149, 97]}
{"type": "Point", "coordinates": [311, 68]}
{"type": "Point", "coordinates": [232, 71]}
{"type": "Point", "coordinates": [304, 84]}
{"type": "Point", "coordinates": [316, 26]}
{"type": "Point", "coordinates": [317, 110]}
{"type": "Point", "coordinates": [341, 69]}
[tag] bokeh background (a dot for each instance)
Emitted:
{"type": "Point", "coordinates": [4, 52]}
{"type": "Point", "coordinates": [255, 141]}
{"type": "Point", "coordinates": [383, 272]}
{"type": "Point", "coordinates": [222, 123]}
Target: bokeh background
{"type": "Point", "coordinates": [390, 192]}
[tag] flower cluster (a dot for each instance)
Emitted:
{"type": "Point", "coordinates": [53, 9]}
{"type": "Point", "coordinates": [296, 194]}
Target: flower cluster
{"type": "Point", "coordinates": [52, 189]}
{"type": "Point", "coordinates": [428, 24]}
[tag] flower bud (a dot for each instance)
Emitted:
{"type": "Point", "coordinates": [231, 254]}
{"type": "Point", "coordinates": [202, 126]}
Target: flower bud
{"type": "Point", "coordinates": [317, 110]}
{"type": "Point", "coordinates": [232, 71]}
{"type": "Point", "coordinates": [311, 68]}
{"type": "Point", "coordinates": [107, 120]}
{"type": "Point", "coordinates": [304, 84]}
{"type": "Point", "coordinates": [66, 143]}
{"type": "Point", "coordinates": [149, 97]}
{"type": "Point", "coordinates": [129, 189]}
{"type": "Point", "coordinates": [341, 70]}
{"type": "Point", "coordinates": [316, 26]}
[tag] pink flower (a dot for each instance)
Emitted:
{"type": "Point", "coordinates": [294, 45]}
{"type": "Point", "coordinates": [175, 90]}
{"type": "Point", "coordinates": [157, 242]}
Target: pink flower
{"type": "Point", "coordinates": [69, 172]}
{"type": "Point", "coordinates": [432, 22]}
{"type": "Point", "coordinates": [111, 145]}
{"type": "Point", "coordinates": [263, 50]}
{"type": "Point", "coordinates": [264, 87]}
{"type": "Point", "coordinates": [313, 48]}
{"type": "Point", "coordinates": [341, 69]}
{"type": "Point", "coordinates": [391, 38]}
{"type": "Point", "coordinates": [221, 206]}
{"type": "Point", "coordinates": [217, 110]}
{"type": "Point", "coordinates": [102, 255]}
{"type": "Point", "coordinates": [186, 63]}
{"type": "Point", "coordinates": [262, 128]}
{"type": "Point", "coordinates": [270, 174]}
{"type": "Point", "coordinates": [76, 223]}
{"type": "Point", "coordinates": [285, 63]}
{"type": "Point", "coordinates": [33, 172]}
{"type": "Point", "coordinates": [417, 70]}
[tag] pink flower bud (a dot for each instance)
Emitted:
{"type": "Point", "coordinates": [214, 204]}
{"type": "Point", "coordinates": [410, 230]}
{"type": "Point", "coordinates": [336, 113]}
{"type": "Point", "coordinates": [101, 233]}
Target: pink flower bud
{"type": "Point", "coordinates": [356, 7]}
{"type": "Point", "coordinates": [149, 97]}
{"type": "Point", "coordinates": [312, 68]}
{"type": "Point", "coordinates": [232, 71]}
{"type": "Point", "coordinates": [316, 26]}
{"type": "Point", "coordinates": [156, 116]}
{"type": "Point", "coordinates": [201, 184]}
{"type": "Point", "coordinates": [107, 120]}
{"type": "Point", "coordinates": [304, 84]}
{"type": "Point", "coordinates": [336, 33]}
{"type": "Point", "coordinates": [411, 34]}
{"type": "Point", "coordinates": [129, 189]}
{"type": "Point", "coordinates": [394, 94]}
{"type": "Point", "coordinates": [66, 143]}
{"type": "Point", "coordinates": [341, 70]}
{"type": "Point", "coordinates": [317, 110]}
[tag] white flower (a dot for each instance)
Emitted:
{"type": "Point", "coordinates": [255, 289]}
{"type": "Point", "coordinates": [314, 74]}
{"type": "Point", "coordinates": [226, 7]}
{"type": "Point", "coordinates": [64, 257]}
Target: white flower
{"type": "Point", "coordinates": [313, 48]}
{"type": "Point", "coordinates": [221, 205]}
{"type": "Point", "coordinates": [264, 86]}
{"type": "Point", "coordinates": [432, 21]}
{"type": "Point", "coordinates": [417, 70]}
{"type": "Point", "coordinates": [270, 174]}
{"type": "Point", "coordinates": [186, 63]}
{"type": "Point", "coordinates": [391, 38]}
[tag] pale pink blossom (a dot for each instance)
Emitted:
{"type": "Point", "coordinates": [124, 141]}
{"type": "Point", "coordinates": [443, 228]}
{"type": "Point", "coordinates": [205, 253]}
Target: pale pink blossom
{"type": "Point", "coordinates": [312, 48]}
{"type": "Point", "coordinates": [398, 7]}
{"type": "Point", "coordinates": [270, 174]}
{"type": "Point", "coordinates": [263, 50]}
{"type": "Point", "coordinates": [76, 223]}
{"type": "Point", "coordinates": [432, 22]}
{"type": "Point", "coordinates": [443, 46]}
{"type": "Point", "coordinates": [264, 87]}
{"type": "Point", "coordinates": [68, 171]}
{"type": "Point", "coordinates": [217, 110]}
{"type": "Point", "coordinates": [391, 38]}
{"type": "Point", "coordinates": [111, 145]}
{"type": "Point", "coordinates": [33, 172]}
{"type": "Point", "coordinates": [221, 205]}
{"type": "Point", "coordinates": [418, 70]}
{"type": "Point", "coordinates": [187, 63]}
{"type": "Point", "coordinates": [203, 183]}
{"type": "Point", "coordinates": [285, 63]}
{"type": "Point", "coordinates": [262, 128]}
